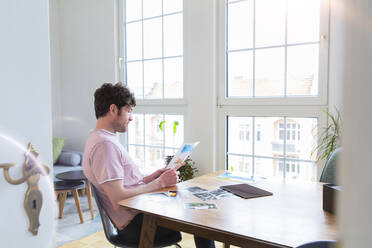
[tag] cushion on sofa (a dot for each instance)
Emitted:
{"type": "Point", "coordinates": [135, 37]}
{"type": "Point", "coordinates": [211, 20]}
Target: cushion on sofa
{"type": "Point", "coordinates": [69, 158]}
{"type": "Point", "coordinates": [58, 143]}
{"type": "Point", "coordinates": [81, 154]}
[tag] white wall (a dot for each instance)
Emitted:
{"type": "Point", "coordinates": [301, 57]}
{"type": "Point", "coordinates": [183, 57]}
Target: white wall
{"type": "Point", "coordinates": [25, 107]}
{"type": "Point", "coordinates": [200, 66]}
{"type": "Point", "coordinates": [356, 200]}
{"type": "Point", "coordinates": [55, 67]}
{"type": "Point", "coordinates": [83, 40]}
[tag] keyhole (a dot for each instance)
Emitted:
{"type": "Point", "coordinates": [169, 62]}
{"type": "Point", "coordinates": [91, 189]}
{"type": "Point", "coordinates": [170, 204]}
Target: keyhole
{"type": "Point", "coordinates": [34, 204]}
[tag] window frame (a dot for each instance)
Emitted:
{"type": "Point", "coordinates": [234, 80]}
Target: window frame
{"type": "Point", "coordinates": [161, 106]}
{"type": "Point", "coordinates": [263, 111]}
{"type": "Point", "coordinates": [121, 49]}
{"type": "Point", "coordinates": [321, 99]}
{"type": "Point", "coordinates": [290, 106]}
{"type": "Point", "coordinates": [204, 84]}
{"type": "Point", "coordinates": [153, 110]}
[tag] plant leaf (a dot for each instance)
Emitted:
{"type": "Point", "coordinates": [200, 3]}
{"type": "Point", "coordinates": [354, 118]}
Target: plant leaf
{"type": "Point", "coordinates": [329, 137]}
{"type": "Point", "coordinates": [161, 125]}
{"type": "Point", "coordinates": [175, 124]}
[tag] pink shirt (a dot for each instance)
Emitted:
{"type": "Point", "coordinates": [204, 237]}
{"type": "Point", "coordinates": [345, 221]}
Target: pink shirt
{"type": "Point", "coordinates": [105, 159]}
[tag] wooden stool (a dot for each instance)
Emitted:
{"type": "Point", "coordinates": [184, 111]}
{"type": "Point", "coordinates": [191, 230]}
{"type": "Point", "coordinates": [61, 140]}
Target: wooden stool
{"type": "Point", "coordinates": [62, 188]}
{"type": "Point", "coordinates": [78, 175]}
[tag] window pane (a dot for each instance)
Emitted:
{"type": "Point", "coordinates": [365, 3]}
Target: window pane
{"type": "Point", "coordinates": [136, 130]}
{"type": "Point", "coordinates": [269, 156]}
{"type": "Point", "coordinates": [134, 78]}
{"type": "Point", "coordinates": [173, 78]}
{"type": "Point", "coordinates": [173, 35]}
{"type": "Point", "coordinates": [301, 149]}
{"type": "Point", "coordinates": [303, 20]}
{"type": "Point", "coordinates": [304, 171]}
{"type": "Point", "coordinates": [240, 73]}
{"type": "Point", "coordinates": [144, 134]}
{"type": "Point", "coordinates": [173, 139]}
{"type": "Point", "coordinates": [270, 144]}
{"type": "Point", "coordinates": [269, 72]}
{"type": "Point", "coordinates": [171, 6]}
{"type": "Point", "coordinates": [134, 41]}
{"type": "Point", "coordinates": [240, 164]}
{"type": "Point", "coordinates": [270, 22]}
{"type": "Point", "coordinates": [152, 38]}
{"type": "Point", "coordinates": [133, 10]}
{"type": "Point", "coordinates": [151, 8]}
{"type": "Point", "coordinates": [302, 70]}
{"type": "Point", "coordinates": [153, 135]}
{"type": "Point", "coordinates": [240, 25]}
{"type": "Point", "coordinates": [169, 152]}
{"type": "Point", "coordinates": [240, 135]}
{"type": "Point", "coordinates": [153, 79]}
{"type": "Point", "coordinates": [154, 158]}
{"type": "Point", "coordinates": [268, 168]}
{"type": "Point", "coordinates": [137, 153]}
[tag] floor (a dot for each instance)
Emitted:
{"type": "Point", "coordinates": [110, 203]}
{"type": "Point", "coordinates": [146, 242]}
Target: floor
{"type": "Point", "coordinates": [98, 240]}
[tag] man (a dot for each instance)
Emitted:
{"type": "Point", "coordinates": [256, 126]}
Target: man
{"type": "Point", "coordinates": [110, 169]}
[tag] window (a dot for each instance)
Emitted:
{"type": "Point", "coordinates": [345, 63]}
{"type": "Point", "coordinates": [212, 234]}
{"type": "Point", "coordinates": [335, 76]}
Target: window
{"type": "Point", "coordinates": [273, 79]}
{"type": "Point", "coordinates": [264, 157]}
{"type": "Point", "coordinates": [264, 60]}
{"type": "Point", "coordinates": [152, 50]}
{"type": "Point", "coordinates": [148, 144]}
{"type": "Point", "coordinates": [272, 48]}
{"type": "Point", "coordinates": [153, 31]}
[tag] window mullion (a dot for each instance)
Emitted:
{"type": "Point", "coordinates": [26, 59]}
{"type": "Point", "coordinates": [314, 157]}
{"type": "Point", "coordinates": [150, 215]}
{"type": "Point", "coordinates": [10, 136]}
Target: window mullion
{"type": "Point", "coordinates": [285, 147]}
{"type": "Point", "coordinates": [253, 146]}
{"type": "Point", "coordinates": [125, 43]}
{"type": "Point", "coordinates": [144, 140]}
{"type": "Point", "coordinates": [285, 48]}
{"type": "Point", "coordinates": [164, 129]}
{"type": "Point", "coordinates": [254, 51]}
{"type": "Point", "coordinates": [143, 54]}
{"type": "Point", "coordinates": [162, 47]}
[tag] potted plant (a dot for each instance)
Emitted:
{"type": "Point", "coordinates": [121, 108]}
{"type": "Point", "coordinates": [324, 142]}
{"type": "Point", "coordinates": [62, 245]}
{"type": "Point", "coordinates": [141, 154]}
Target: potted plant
{"type": "Point", "coordinates": [330, 137]}
{"type": "Point", "coordinates": [188, 170]}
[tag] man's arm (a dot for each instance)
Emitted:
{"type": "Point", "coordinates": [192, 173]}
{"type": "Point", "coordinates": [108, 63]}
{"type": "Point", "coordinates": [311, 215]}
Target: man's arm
{"type": "Point", "coordinates": [157, 173]}
{"type": "Point", "coordinates": [116, 191]}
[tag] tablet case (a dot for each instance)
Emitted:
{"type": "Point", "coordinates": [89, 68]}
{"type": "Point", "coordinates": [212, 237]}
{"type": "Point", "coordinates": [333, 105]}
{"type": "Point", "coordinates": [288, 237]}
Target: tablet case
{"type": "Point", "coordinates": [246, 191]}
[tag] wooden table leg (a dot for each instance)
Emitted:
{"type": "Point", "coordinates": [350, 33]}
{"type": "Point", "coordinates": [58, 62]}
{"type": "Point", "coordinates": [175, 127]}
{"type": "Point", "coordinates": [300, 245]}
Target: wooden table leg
{"type": "Point", "coordinates": [225, 245]}
{"type": "Point", "coordinates": [77, 202]}
{"type": "Point", "coordinates": [148, 231]}
{"type": "Point", "coordinates": [62, 200]}
{"type": "Point", "coordinates": [89, 195]}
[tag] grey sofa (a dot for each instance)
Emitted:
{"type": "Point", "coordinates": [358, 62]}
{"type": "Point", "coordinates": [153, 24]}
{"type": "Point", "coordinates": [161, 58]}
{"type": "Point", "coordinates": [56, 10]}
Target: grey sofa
{"type": "Point", "coordinates": [68, 161]}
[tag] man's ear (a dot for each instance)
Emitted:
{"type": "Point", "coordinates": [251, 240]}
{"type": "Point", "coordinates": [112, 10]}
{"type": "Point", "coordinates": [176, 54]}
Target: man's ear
{"type": "Point", "coordinates": [113, 109]}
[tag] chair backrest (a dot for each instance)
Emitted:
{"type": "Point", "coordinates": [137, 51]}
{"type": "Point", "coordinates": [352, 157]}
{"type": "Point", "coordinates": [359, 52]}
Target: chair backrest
{"type": "Point", "coordinates": [319, 244]}
{"type": "Point", "coordinates": [110, 230]}
{"type": "Point", "coordinates": [329, 172]}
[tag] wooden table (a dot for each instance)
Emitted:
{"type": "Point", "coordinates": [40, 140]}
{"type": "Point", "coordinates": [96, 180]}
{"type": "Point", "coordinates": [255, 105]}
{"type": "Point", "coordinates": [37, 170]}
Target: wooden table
{"type": "Point", "coordinates": [292, 216]}
{"type": "Point", "coordinates": [78, 175]}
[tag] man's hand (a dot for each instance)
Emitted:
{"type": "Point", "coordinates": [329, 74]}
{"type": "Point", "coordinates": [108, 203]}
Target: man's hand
{"type": "Point", "coordinates": [168, 178]}
{"type": "Point", "coordinates": [154, 175]}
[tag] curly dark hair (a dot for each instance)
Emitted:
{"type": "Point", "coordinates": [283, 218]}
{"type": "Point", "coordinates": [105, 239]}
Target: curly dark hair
{"type": "Point", "coordinates": [108, 94]}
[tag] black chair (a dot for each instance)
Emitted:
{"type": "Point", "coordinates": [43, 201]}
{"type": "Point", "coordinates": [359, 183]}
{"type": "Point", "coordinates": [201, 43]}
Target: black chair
{"type": "Point", "coordinates": [111, 232]}
{"type": "Point", "coordinates": [319, 244]}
